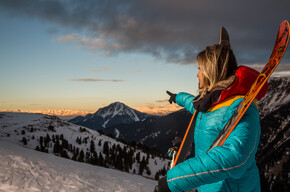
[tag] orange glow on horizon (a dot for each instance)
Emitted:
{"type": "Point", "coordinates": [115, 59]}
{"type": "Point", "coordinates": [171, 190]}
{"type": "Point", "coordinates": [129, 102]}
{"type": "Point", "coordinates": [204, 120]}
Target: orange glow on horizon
{"type": "Point", "coordinates": [69, 114]}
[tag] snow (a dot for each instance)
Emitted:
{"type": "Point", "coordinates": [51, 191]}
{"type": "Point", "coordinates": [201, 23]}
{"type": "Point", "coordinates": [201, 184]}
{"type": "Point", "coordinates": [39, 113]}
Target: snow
{"type": "Point", "coordinates": [133, 115]}
{"type": "Point", "coordinates": [277, 95]}
{"type": "Point", "coordinates": [105, 123]}
{"type": "Point", "coordinates": [22, 169]}
{"type": "Point", "coordinates": [12, 126]}
{"type": "Point", "coordinates": [117, 133]}
{"type": "Point", "coordinates": [115, 109]}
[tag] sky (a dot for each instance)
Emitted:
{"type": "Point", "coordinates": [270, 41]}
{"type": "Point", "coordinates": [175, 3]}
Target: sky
{"type": "Point", "coordinates": [73, 57]}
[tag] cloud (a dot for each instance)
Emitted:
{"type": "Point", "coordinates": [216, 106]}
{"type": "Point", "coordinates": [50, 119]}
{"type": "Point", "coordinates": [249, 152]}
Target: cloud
{"type": "Point", "coordinates": [137, 70]}
{"type": "Point", "coordinates": [94, 44]}
{"type": "Point", "coordinates": [153, 109]}
{"type": "Point", "coordinates": [101, 69]}
{"type": "Point", "coordinates": [282, 70]}
{"type": "Point", "coordinates": [282, 74]}
{"type": "Point", "coordinates": [171, 30]}
{"type": "Point", "coordinates": [68, 38]}
{"type": "Point", "coordinates": [162, 101]}
{"type": "Point", "coordinates": [97, 80]}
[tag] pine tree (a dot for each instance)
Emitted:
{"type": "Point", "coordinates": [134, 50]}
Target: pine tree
{"type": "Point", "coordinates": [79, 140]}
{"type": "Point", "coordinates": [81, 156]}
{"type": "Point", "coordinates": [75, 154]}
{"type": "Point", "coordinates": [47, 140]}
{"type": "Point", "coordinates": [101, 160]}
{"type": "Point", "coordinates": [138, 157]}
{"type": "Point", "coordinates": [56, 146]}
{"type": "Point", "coordinates": [65, 144]}
{"type": "Point", "coordinates": [24, 140]}
{"type": "Point", "coordinates": [106, 148]}
{"type": "Point", "coordinates": [64, 154]}
{"type": "Point", "coordinates": [142, 166]}
{"type": "Point", "coordinates": [41, 141]}
{"type": "Point", "coordinates": [92, 146]}
{"type": "Point", "coordinates": [148, 171]}
{"type": "Point", "coordinates": [119, 162]}
{"type": "Point", "coordinates": [94, 158]}
{"type": "Point", "coordinates": [88, 157]}
{"type": "Point", "coordinates": [51, 128]}
{"type": "Point", "coordinates": [157, 175]}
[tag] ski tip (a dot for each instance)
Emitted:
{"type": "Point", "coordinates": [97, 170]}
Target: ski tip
{"type": "Point", "coordinates": [224, 36]}
{"type": "Point", "coordinates": [285, 21]}
{"type": "Point", "coordinates": [284, 24]}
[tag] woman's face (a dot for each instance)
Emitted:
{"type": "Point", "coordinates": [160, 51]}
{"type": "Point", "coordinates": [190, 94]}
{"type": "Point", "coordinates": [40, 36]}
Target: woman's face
{"type": "Point", "coordinates": [200, 78]}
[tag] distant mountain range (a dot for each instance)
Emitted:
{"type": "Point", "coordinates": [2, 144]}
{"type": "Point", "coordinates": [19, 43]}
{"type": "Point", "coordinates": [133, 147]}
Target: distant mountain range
{"type": "Point", "coordinates": [159, 132]}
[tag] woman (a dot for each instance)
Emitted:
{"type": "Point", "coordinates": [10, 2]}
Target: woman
{"type": "Point", "coordinates": [232, 166]}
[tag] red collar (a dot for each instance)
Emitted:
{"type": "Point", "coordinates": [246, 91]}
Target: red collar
{"type": "Point", "coordinates": [245, 77]}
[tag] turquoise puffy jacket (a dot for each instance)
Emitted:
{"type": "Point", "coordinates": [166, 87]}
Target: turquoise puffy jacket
{"type": "Point", "coordinates": [232, 166]}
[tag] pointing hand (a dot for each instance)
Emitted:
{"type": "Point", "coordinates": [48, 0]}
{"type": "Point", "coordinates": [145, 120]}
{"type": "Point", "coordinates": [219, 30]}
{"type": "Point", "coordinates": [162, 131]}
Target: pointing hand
{"type": "Point", "coordinates": [172, 97]}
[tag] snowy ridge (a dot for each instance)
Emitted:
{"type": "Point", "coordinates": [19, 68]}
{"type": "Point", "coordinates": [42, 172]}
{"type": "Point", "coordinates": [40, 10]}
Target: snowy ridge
{"type": "Point", "coordinates": [55, 136]}
{"type": "Point", "coordinates": [277, 95]}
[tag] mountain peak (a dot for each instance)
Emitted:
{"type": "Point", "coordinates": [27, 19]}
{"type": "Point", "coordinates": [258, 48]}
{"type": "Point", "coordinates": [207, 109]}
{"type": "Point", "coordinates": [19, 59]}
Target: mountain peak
{"type": "Point", "coordinates": [113, 114]}
{"type": "Point", "coordinates": [116, 108]}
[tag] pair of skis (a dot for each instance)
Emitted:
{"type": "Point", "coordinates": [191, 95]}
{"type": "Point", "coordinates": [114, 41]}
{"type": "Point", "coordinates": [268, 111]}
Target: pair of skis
{"type": "Point", "coordinates": [276, 56]}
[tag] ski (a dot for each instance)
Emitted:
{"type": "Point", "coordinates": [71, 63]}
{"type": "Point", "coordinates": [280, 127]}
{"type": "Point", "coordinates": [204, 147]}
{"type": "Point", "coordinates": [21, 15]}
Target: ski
{"type": "Point", "coordinates": [275, 58]}
{"type": "Point", "coordinates": [185, 144]}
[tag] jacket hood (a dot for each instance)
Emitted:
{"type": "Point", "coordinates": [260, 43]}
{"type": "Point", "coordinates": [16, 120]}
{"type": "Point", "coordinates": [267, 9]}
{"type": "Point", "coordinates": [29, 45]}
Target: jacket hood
{"type": "Point", "coordinates": [245, 78]}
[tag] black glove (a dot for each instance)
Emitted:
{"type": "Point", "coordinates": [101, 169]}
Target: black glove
{"type": "Point", "coordinates": [162, 186]}
{"type": "Point", "coordinates": [172, 97]}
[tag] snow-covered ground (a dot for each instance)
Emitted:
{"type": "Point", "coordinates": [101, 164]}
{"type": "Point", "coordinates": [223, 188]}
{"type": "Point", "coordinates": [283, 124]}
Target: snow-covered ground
{"type": "Point", "coordinates": [15, 126]}
{"type": "Point", "coordinates": [26, 170]}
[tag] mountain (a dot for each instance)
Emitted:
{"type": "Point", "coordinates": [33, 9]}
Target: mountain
{"type": "Point", "coordinates": [157, 133]}
{"type": "Point", "coordinates": [114, 114]}
{"type": "Point", "coordinates": [273, 152]}
{"type": "Point", "coordinates": [52, 135]}
{"type": "Point", "coordinates": [22, 169]}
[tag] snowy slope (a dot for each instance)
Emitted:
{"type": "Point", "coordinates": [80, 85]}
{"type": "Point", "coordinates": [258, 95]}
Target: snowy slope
{"type": "Point", "coordinates": [53, 135]}
{"type": "Point", "coordinates": [23, 170]}
{"type": "Point", "coordinates": [277, 95]}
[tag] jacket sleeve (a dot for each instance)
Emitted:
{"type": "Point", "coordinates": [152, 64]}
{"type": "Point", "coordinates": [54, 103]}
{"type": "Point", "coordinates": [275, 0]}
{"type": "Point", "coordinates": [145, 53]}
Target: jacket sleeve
{"type": "Point", "coordinates": [230, 160]}
{"type": "Point", "coordinates": [185, 100]}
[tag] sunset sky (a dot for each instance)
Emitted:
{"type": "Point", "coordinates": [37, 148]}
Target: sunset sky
{"type": "Point", "coordinates": [73, 57]}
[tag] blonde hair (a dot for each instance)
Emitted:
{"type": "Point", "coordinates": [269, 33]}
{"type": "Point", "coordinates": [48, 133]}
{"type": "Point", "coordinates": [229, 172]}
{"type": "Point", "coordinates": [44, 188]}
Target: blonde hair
{"type": "Point", "coordinates": [217, 64]}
